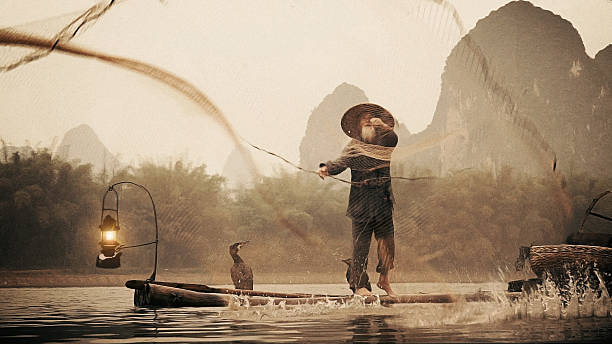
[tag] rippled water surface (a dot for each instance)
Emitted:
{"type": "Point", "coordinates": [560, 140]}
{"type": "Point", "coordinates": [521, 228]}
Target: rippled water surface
{"type": "Point", "coordinates": [107, 315]}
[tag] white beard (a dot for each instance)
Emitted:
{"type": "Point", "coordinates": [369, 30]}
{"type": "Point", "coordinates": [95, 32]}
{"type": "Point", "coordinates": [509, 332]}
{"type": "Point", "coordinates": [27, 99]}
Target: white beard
{"type": "Point", "coordinates": [368, 133]}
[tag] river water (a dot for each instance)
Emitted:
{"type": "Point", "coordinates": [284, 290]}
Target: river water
{"type": "Point", "coordinates": [107, 315]}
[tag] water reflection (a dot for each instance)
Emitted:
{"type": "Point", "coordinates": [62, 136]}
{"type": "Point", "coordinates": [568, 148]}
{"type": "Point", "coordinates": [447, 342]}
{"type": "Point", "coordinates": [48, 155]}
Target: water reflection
{"type": "Point", "coordinates": [375, 329]}
{"type": "Point", "coordinates": [106, 315]}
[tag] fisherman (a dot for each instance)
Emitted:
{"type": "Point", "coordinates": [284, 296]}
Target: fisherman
{"type": "Point", "coordinates": [370, 205]}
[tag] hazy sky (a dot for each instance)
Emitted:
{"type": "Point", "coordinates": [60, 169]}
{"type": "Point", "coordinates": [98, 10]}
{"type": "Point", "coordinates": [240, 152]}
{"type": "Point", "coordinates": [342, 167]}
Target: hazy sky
{"type": "Point", "coordinates": [265, 64]}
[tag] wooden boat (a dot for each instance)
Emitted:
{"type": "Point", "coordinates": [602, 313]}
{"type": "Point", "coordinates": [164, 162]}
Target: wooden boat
{"type": "Point", "coordinates": [172, 294]}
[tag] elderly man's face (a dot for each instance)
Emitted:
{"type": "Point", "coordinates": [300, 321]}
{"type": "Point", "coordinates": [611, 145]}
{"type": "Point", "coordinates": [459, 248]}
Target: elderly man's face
{"type": "Point", "coordinates": [367, 129]}
{"type": "Point", "coordinates": [364, 120]}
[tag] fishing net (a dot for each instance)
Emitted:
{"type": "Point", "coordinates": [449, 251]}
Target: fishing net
{"type": "Point", "coordinates": [53, 30]}
{"type": "Point", "coordinates": [434, 208]}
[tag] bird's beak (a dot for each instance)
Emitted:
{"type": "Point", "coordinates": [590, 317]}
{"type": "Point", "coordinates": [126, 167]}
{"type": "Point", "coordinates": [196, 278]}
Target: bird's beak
{"type": "Point", "coordinates": [243, 243]}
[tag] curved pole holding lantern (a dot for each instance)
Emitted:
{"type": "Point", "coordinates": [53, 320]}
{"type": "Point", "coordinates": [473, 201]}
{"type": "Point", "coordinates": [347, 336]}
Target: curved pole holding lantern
{"type": "Point", "coordinates": [156, 242]}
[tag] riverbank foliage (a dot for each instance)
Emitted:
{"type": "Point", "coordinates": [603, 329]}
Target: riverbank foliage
{"type": "Point", "coordinates": [469, 222]}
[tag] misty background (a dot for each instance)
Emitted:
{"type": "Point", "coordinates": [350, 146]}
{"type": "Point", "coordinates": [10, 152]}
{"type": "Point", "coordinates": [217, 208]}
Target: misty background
{"type": "Point", "coordinates": [486, 115]}
{"type": "Point", "coordinates": [267, 66]}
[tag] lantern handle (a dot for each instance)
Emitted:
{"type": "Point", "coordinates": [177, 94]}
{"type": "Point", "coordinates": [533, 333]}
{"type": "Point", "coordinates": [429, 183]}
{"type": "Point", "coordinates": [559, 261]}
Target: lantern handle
{"type": "Point", "coordinates": [116, 209]}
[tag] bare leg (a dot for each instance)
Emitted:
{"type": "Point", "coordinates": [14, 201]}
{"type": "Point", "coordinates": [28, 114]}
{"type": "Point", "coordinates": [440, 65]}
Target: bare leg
{"type": "Point", "coordinates": [386, 250]}
{"type": "Point", "coordinates": [384, 284]}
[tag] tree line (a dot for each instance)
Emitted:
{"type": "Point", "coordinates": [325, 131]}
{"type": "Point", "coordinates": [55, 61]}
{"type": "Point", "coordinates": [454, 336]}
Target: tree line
{"type": "Point", "coordinates": [474, 220]}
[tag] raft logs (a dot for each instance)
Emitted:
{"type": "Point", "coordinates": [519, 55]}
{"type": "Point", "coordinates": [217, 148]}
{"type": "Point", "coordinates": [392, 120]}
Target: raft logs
{"type": "Point", "coordinates": [156, 295]}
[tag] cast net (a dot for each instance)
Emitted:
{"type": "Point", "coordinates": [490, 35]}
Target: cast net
{"type": "Point", "coordinates": [487, 175]}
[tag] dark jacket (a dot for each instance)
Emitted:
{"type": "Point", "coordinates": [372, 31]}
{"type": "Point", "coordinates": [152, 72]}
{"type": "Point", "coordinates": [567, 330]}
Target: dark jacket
{"type": "Point", "coordinates": [372, 196]}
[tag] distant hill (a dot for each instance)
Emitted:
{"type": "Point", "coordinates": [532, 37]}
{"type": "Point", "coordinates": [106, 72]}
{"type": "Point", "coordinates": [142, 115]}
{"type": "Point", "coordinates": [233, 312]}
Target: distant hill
{"type": "Point", "coordinates": [81, 144]}
{"type": "Point", "coordinates": [559, 94]}
{"type": "Point", "coordinates": [324, 139]}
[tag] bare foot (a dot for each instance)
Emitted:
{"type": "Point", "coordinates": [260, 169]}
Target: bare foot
{"type": "Point", "coordinates": [363, 292]}
{"type": "Point", "coordinates": [387, 288]}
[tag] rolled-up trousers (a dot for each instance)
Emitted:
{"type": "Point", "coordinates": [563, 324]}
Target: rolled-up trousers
{"type": "Point", "coordinates": [382, 227]}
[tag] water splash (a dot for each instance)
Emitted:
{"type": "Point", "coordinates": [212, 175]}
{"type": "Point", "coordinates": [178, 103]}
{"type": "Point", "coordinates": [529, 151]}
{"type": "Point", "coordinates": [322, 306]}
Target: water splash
{"type": "Point", "coordinates": [572, 301]}
{"type": "Point", "coordinates": [240, 308]}
{"type": "Point", "coordinates": [576, 300]}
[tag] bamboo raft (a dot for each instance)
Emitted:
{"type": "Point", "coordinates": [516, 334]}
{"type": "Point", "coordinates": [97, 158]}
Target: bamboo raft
{"type": "Point", "coordinates": [172, 294]}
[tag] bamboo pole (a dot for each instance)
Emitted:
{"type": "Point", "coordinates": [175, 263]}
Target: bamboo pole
{"type": "Point", "coordinates": [156, 295]}
{"type": "Point", "coordinates": [139, 284]}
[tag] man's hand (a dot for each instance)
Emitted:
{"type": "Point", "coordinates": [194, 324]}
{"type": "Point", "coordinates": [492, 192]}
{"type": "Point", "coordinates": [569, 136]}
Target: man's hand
{"type": "Point", "coordinates": [377, 122]}
{"type": "Point", "coordinates": [323, 172]}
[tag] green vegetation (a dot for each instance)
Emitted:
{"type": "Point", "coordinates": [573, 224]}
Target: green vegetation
{"type": "Point", "coordinates": [47, 212]}
{"type": "Point", "coordinates": [476, 221]}
{"type": "Point", "coordinates": [471, 221]}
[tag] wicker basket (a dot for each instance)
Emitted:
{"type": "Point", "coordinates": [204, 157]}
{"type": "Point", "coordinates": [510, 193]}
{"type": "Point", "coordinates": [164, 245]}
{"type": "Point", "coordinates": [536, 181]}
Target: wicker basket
{"type": "Point", "coordinates": [557, 259]}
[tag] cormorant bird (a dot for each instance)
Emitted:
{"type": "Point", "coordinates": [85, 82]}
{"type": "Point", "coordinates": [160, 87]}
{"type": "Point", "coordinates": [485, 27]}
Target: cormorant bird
{"type": "Point", "coordinates": [242, 275]}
